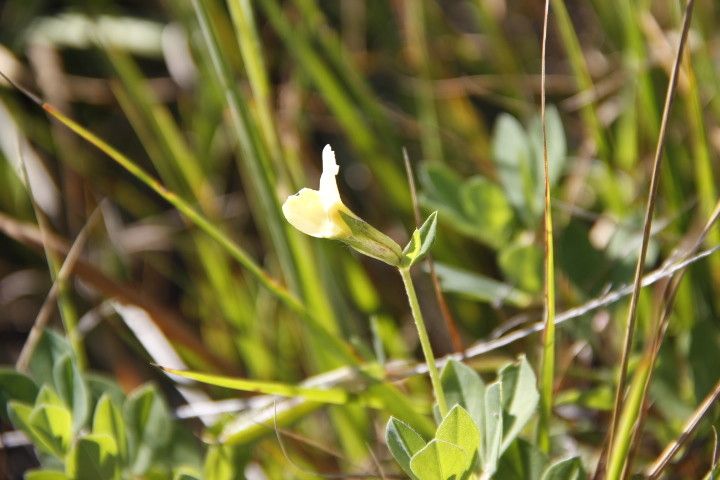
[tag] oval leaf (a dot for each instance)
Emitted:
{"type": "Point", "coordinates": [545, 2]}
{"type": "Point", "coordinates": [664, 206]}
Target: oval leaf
{"type": "Point", "coordinates": [568, 469]}
{"type": "Point", "coordinates": [420, 242]}
{"type": "Point", "coordinates": [15, 386]}
{"type": "Point", "coordinates": [459, 429]}
{"type": "Point", "coordinates": [93, 457]}
{"type": "Point", "coordinates": [54, 424]}
{"type": "Point", "coordinates": [108, 420]}
{"type": "Point", "coordinates": [519, 397]}
{"type": "Point", "coordinates": [148, 423]}
{"type": "Point", "coordinates": [463, 386]}
{"type": "Point", "coordinates": [72, 389]}
{"type": "Point", "coordinates": [440, 460]}
{"type": "Point", "coordinates": [403, 442]}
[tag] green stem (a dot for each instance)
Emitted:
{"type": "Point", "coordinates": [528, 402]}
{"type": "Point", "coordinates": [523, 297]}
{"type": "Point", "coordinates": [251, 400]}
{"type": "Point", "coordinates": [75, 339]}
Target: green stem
{"type": "Point", "coordinates": [424, 340]}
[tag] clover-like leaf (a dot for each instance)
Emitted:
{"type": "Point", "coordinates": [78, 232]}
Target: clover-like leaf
{"type": "Point", "coordinates": [441, 460]}
{"type": "Point", "coordinates": [108, 420]}
{"type": "Point", "coordinates": [148, 423]}
{"type": "Point", "coordinates": [15, 386]}
{"type": "Point", "coordinates": [463, 386]}
{"type": "Point", "coordinates": [403, 442]}
{"type": "Point", "coordinates": [519, 398]}
{"type": "Point", "coordinates": [71, 388]}
{"type": "Point", "coordinates": [568, 469]}
{"type": "Point", "coordinates": [459, 428]}
{"type": "Point", "coordinates": [54, 424]}
{"type": "Point", "coordinates": [20, 414]}
{"type": "Point", "coordinates": [493, 428]}
{"type": "Point", "coordinates": [50, 349]}
{"type": "Point", "coordinates": [92, 457]}
{"type": "Point", "coordinates": [420, 242]}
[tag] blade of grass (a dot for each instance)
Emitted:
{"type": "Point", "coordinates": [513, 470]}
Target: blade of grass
{"type": "Point", "coordinates": [256, 161]}
{"type": "Point", "coordinates": [68, 313]}
{"type": "Point", "coordinates": [248, 40]}
{"type": "Point", "coordinates": [581, 73]}
{"type": "Point", "coordinates": [340, 58]}
{"type": "Point", "coordinates": [330, 395]}
{"type": "Point", "coordinates": [503, 54]}
{"type": "Point", "coordinates": [547, 373]}
{"type": "Point", "coordinates": [615, 459]}
{"type": "Point", "coordinates": [185, 208]}
{"type": "Point", "coordinates": [419, 58]}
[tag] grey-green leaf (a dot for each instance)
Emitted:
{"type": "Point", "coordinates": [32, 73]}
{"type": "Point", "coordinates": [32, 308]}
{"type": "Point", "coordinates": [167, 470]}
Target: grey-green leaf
{"type": "Point", "coordinates": [442, 185]}
{"type": "Point", "coordinates": [20, 414]}
{"type": "Point", "coordinates": [463, 386]}
{"type": "Point", "coordinates": [512, 156]}
{"type": "Point", "coordinates": [108, 420]}
{"type": "Point", "coordinates": [50, 349]}
{"type": "Point", "coordinates": [403, 442]}
{"type": "Point", "coordinates": [486, 206]}
{"type": "Point", "coordinates": [522, 264]}
{"type": "Point", "coordinates": [521, 461]}
{"type": "Point", "coordinates": [54, 424]}
{"type": "Point", "coordinates": [72, 389]}
{"type": "Point", "coordinates": [459, 428]}
{"type": "Point", "coordinates": [420, 242]}
{"type": "Point", "coordinates": [148, 423]}
{"type": "Point", "coordinates": [519, 398]}
{"type": "Point", "coordinates": [93, 457]}
{"type": "Point", "coordinates": [568, 469]}
{"type": "Point", "coordinates": [479, 287]}
{"type": "Point", "coordinates": [492, 433]}
{"type": "Point", "coordinates": [15, 386]}
{"type": "Point", "coordinates": [440, 460]}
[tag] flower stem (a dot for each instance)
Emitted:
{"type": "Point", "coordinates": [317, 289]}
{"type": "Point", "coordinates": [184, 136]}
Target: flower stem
{"type": "Point", "coordinates": [424, 340]}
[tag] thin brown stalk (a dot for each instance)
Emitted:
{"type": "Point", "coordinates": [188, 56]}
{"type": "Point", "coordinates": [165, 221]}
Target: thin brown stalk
{"type": "Point", "coordinates": [653, 350]}
{"type": "Point", "coordinates": [647, 227]}
{"type": "Point", "coordinates": [450, 324]}
{"type": "Point", "coordinates": [48, 306]}
{"type": "Point", "coordinates": [691, 424]}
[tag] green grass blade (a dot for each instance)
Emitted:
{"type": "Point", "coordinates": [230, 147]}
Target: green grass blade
{"type": "Point", "coordinates": [248, 40]}
{"type": "Point", "coordinates": [582, 75]}
{"type": "Point", "coordinates": [547, 374]}
{"type": "Point", "coordinates": [334, 396]}
{"type": "Point", "coordinates": [255, 158]}
{"type": "Point", "coordinates": [419, 55]}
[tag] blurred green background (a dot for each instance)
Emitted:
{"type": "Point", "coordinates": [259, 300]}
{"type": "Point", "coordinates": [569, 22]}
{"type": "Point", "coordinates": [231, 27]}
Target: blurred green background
{"type": "Point", "coordinates": [229, 105]}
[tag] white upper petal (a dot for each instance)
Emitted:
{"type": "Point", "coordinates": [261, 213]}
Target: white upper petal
{"type": "Point", "coordinates": [328, 184]}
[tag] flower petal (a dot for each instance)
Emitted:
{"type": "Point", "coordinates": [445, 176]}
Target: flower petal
{"type": "Point", "coordinates": [306, 212]}
{"type": "Point", "coordinates": [328, 184]}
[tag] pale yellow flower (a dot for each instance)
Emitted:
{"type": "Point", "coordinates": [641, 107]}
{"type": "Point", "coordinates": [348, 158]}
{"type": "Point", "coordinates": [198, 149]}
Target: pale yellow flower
{"type": "Point", "coordinates": [316, 212]}
{"type": "Point", "coordinates": [322, 214]}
